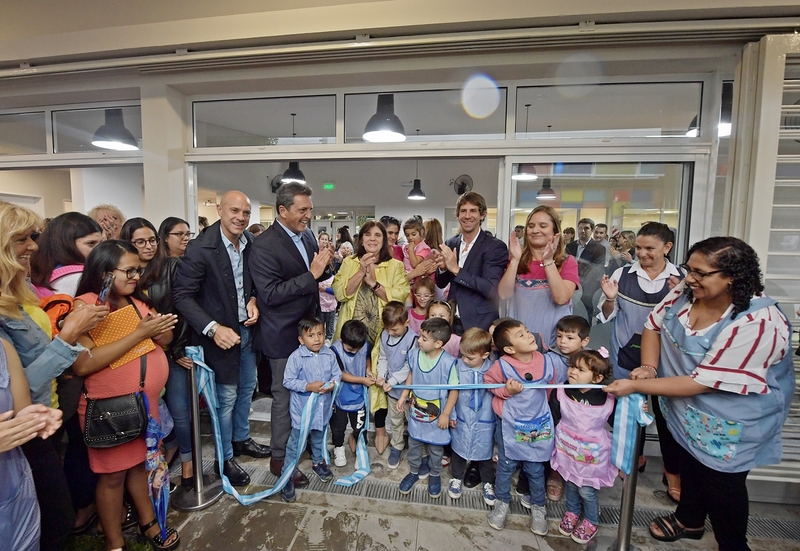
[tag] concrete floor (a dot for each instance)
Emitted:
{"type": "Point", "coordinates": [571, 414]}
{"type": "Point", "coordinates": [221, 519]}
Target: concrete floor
{"type": "Point", "coordinates": [326, 521]}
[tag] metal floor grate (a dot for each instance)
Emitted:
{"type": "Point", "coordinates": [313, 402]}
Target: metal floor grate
{"type": "Point", "coordinates": [472, 499]}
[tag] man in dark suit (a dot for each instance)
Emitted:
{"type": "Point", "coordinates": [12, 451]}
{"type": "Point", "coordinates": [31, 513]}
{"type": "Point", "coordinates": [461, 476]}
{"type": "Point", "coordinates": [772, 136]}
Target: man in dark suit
{"type": "Point", "coordinates": [286, 265]}
{"type": "Point", "coordinates": [213, 291]}
{"type": "Point", "coordinates": [472, 263]}
{"type": "Point", "coordinates": [591, 257]}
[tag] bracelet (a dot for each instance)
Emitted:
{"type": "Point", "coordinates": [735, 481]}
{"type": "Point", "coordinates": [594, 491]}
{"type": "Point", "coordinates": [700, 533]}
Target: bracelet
{"type": "Point", "coordinates": [606, 299]}
{"type": "Point", "coordinates": [546, 264]}
{"type": "Point", "coordinates": [376, 287]}
{"type": "Point", "coordinates": [651, 368]}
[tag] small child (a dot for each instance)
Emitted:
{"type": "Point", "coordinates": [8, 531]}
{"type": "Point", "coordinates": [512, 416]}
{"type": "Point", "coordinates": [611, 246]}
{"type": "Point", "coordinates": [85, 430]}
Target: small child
{"type": "Point", "coordinates": [429, 410]}
{"type": "Point", "coordinates": [328, 304]}
{"type": "Point", "coordinates": [423, 290]}
{"type": "Point", "coordinates": [572, 334]}
{"type": "Point", "coordinates": [472, 430]}
{"type": "Point", "coordinates": [416, 250]}
{"type": "Point", "coordinates": [396, 341]}
{"type": "Point", "coordinates": [582, 454]}
{"type": "Point", "coordinates": [524, 432]}
{"type": "Point", "coordinates": [445, 310]}
{"type": "Point", "coordinates": [353, 356]}
{"type": "Point", "coordinates": [310, 368]}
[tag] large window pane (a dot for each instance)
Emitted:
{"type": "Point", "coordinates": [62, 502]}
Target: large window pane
{"type": "Point", "coordinates": [438, 115]}
{"type": "Point", "coordinates": [23, 133]}
{"type": "Point", "coordinates": [265, 121]}
{"type": "Point", "coordinates": [74, 129]}
{"type": "Point", "coordinates": [609, 110]}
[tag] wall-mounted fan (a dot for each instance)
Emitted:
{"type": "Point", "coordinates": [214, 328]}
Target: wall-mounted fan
{"type": "Point", "coordinates": [276, 183]}
{"type": "Point", "coordinates": [462, 184]}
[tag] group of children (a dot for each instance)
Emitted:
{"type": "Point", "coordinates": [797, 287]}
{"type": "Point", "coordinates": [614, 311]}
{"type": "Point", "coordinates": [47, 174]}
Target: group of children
{"type": "Point", "coordinates": [527, 427]}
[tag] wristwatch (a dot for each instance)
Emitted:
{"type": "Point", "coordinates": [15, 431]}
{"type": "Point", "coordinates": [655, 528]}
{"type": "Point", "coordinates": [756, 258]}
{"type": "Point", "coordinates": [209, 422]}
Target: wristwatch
{"type": "Point", "coordinates": [213, 331]}
{"type": "Point", "coordinates": [375, 287]}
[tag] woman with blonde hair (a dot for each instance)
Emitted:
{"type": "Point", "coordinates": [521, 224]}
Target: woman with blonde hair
{"type": "Point", "coordinates": [540, 278]}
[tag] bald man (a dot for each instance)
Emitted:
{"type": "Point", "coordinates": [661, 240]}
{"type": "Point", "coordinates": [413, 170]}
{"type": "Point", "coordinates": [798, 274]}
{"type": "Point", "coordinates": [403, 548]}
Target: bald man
{"type": "Point", "coordinates": [213, 290]}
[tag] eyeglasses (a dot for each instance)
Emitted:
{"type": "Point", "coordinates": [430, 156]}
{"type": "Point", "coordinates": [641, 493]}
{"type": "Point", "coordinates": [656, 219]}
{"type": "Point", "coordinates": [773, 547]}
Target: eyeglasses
{"type": "Point", "coordinates": [132, 273]}
{"type": "Point", "coordinates": [140, 243]}
{"type": "Point", "coordinates": [697, 274]}
{"type": "Point", "coordinates": [182, 234]}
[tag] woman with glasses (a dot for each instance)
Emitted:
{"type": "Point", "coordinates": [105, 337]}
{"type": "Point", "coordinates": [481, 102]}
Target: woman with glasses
{"type": "Point", "coordinates": [142, 234]}
{"type": "Point", "coordinates": [717, 350]}
{"type": "Point", "coordinates": [122, 467]}
{"type": "Point", "coordinates": [174, 236]}
{"type": "Point", "coordinates": [27, 327]}
{"type": "Point", "coordinates": [628, 297]}
{"type": "Point", "coordinates": [363, 285]}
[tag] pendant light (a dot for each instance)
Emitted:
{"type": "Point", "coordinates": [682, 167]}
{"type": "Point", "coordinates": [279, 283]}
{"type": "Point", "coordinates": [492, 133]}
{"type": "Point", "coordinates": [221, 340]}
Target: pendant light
{"type": "Point", "coordinates": [384, 126]}
{"type": "Point", "coordinates": [546, 193]}
{"type": "Point", "coordinates": [293, 174]}
{"type": "Point", "coordinates": [416, 193]}
{"type": "Point", "coordinates": [525, 173]}
{"type": "Point", "coordinates": [113, 134]}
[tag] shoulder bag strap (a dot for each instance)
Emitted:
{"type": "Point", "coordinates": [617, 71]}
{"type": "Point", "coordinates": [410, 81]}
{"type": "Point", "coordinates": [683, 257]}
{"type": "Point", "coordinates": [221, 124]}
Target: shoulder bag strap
{"type": "Point", "coordinates": [143, 357]}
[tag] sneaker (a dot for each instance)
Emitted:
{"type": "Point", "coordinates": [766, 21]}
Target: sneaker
{"type": "Point", "coordinates": [287, 492]}
{"type": "Point", "coordinates": [568, 523]}
{"type": "Point", "coordinates": [445, 461]}
{"type": "Point", "coordinates": [339, 458]}
{"type": "Point", "coordinates": [454, 488]}
{"type": "Point", "coordinates": [585, 532]}
{"type": "Point", "coordinates": [497, 518]}
{"type": "Point", "coordinates": [435, 486]}
{"type": "Point", "coordinates": [424, 468]}
{"type": "Point", "coordinates": [525, 501]}
{"type": "Point", "coordinates": [489, 497]}
{"type": "Point", "coordinates": [408, 482]}
{"type": "Point", "coordinates": [394, 458]}
{"type": "Point", "coordinates": [322, 471]}
{"type": "Point", "coordinates": [539, 520]}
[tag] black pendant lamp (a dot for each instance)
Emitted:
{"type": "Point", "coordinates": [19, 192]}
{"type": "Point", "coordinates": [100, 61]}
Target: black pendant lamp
{"type": "Point", "coordinates": [293, 174]}
{"type": "Point", "coordinates": [384, 126]}
{"type": "Point", "coordinates": [113, 134]}
{"type": "Point", "coordinates": [416, 193]}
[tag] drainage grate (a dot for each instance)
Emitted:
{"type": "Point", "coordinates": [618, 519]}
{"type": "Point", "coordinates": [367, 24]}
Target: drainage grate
{"type": "Point", "coordinates": [472, 499]}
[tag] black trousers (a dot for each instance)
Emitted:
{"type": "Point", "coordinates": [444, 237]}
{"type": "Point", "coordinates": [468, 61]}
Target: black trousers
{"type": "Point", "coordinates": [57, 514]}
{"type": "Point", "coordinates": [80, 478]}
{"type": "Point", "coordinates": [458, 468]}
{"type": "Point", "coordinates": [339, 419]}
{"type": "Point", "coordinates": [670, 449]}
{"type": "Point", "coordinates": [720, 496]}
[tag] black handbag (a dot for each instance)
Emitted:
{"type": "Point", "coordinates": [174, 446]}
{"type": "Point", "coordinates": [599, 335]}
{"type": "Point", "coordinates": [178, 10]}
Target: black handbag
{"type": "Point", "coordinates": [119, 419]}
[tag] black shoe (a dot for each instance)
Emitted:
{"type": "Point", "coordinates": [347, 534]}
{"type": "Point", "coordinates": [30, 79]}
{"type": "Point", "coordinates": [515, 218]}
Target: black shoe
{"type": "Point", "coordinates": [252, 448]}
{"type": "Point", "coordinates": [236, 475]}
{"type": "Point", "coordinates": [299, 479]}
{"type": "Point", "coordinates": [473, 476]}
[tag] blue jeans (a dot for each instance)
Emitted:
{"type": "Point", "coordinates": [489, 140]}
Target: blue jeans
{"type": "Point", "coordinates": [506, 467]}
{"type": "Point", "coordinates": [292, 451]}
{"type": "Point", "coordinates": [587, 494]}
{"type": "Point", "coordinates": [234, 400]}
{"type": "Point", "coordinates": [178, 399]}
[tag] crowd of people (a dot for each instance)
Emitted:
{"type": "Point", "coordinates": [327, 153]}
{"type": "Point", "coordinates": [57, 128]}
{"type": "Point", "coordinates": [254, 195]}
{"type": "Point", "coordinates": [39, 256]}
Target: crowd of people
{"type": "Point", "coordinates": [95, 307]}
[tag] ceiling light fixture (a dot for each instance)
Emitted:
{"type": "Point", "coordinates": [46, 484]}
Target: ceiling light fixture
{"type": "Point", "coordinates": [113, 134]}
{"type": "Point", "coordinates": [416, 193]}
{"type": "Point", "coordinates": [293, 174]}
{"type": "Point", "coordinates": [546, 193]}
{"type": "Point", "coordinates": [384, 126]}
{"type": "Point", "coordinates": [525, 173]}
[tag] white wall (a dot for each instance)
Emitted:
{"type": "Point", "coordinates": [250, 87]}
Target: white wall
{"type": "Point", "coordinates": [52, 185]}
{"type": "Point", "coordinates": [120, 185]}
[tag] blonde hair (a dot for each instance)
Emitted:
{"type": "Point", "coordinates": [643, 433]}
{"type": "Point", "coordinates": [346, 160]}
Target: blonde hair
{"type": "Point", "coordinates": [14, 290]}
{"type": "Point", "coordinates": [97, 213]}
{"type": "Point", "coordinates": [476, 341]}
{"type": "Point", "coordinates": [527, 251]}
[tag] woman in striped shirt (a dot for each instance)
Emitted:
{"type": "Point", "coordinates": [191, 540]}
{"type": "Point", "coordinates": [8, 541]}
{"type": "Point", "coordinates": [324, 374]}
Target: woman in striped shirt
{"type": "Point", "coordinates": [726, 381]}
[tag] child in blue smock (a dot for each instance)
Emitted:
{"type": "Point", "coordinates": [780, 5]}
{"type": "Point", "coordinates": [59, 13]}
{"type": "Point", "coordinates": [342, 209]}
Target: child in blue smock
{"type": "Point", "coordinates": [310, 368]}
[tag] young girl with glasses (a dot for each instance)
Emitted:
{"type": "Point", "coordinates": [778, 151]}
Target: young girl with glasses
{"type": "Point", "coordinates": [423, 290]}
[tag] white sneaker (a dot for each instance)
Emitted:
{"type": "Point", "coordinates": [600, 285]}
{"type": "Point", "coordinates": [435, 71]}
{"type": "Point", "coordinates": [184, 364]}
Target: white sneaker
{"type": "Point", "coordinates": [539, 520]}
{"type": "Point", "coordinates": [497, 518]}
{"type": "Point", "coordinates": [339, 458]}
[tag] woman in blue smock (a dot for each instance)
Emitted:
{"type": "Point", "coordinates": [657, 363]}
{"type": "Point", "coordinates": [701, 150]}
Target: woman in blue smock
{"type": "Point", "coordinates": [726, 380]}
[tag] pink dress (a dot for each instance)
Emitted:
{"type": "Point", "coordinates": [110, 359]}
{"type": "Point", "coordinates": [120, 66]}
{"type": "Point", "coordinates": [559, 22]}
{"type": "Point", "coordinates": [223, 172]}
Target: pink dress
{"type": "Point", "coordinates": [582, 454]}
{"type": "Point", "coordinates": [415, 320]}
{"type": "Point", "coordinates": [421, 249]}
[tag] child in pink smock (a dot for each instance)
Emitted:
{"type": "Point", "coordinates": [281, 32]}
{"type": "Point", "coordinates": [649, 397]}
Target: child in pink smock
{"type": "Point", "coordinates": [582, 454]}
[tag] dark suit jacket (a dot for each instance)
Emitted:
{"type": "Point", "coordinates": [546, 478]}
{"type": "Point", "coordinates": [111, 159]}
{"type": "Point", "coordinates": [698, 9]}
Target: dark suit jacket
{"type": "Point", "coordinates": [474, 289]}
{"type": "Point", "coordinates": [204, 291]}
{"type": "Point", "coordinates": [594, 253]}
{"type": "Point", "coordinates": [287, 290]}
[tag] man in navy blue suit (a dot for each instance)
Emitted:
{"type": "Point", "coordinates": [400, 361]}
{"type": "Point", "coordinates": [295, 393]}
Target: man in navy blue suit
{"type": "Point", "coordinates": [472, 263]}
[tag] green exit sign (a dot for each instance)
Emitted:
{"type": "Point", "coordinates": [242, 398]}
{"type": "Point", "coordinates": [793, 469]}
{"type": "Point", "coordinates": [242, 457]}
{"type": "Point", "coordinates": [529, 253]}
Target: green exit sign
{"type": "Point", "coordinates": [328, 185]}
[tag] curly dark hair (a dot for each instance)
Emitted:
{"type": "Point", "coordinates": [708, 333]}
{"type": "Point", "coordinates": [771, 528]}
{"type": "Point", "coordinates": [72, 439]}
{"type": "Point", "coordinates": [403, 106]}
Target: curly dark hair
{"type": "Point", "coordinates": [737, 260]}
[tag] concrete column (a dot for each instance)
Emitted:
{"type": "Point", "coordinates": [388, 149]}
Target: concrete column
{"type": "Point", "coordinates": [164, 145]}
{"type": "Point", "coordinates": [115, 185]}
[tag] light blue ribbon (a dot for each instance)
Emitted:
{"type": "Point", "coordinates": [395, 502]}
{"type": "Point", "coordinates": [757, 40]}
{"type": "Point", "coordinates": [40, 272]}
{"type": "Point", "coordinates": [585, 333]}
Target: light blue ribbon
{"type": "Point", "coordinates": [362, 456]}
{"type": "Point", "coordinates": [629, 416]}
{"type": "Point", "coordinates": [487, 385]}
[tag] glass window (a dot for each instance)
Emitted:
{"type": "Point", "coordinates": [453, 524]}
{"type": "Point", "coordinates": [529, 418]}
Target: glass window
{"type": "Point", "coordinates": [721, 179]}
{"type": "Point", "coordinates": [23, 133]}
{"type": "Point", "coordinates": [304, 120]}
{"type": "Point", "coordinates": [434, 115]}
{"type": "Point", "coordinates": [657, 109]}
{"type": "Point", "coordinates": [74, 129]}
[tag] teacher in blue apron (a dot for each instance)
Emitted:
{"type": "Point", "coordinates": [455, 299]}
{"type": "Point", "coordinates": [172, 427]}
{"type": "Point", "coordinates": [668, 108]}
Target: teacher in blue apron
{"type": "Point", "coordinates": [726, 381]}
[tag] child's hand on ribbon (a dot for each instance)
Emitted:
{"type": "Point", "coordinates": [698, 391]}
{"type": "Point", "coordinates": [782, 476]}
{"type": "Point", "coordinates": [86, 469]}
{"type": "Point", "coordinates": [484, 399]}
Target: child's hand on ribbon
{"type": "Point", "coordinates": [514, 387]}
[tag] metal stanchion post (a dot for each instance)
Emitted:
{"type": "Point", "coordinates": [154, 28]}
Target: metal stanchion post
{"type": "Point", "coordinates": [205, 492]}
{"type": "Point", "coordinates": [623, 541]}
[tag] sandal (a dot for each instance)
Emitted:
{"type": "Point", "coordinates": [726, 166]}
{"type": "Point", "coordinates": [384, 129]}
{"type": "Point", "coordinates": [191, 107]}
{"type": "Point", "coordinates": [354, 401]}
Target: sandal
{"type": "Point", "coordinates": [157, 542]}
{"type": "Point", "coordinates": [671, 530]}
{"type": "Point", "coordinates": [555, 487]}
{"type": "Point", "coordinates": [77, 530]}
{"type": "Point", "coordinates": [673, 484]}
